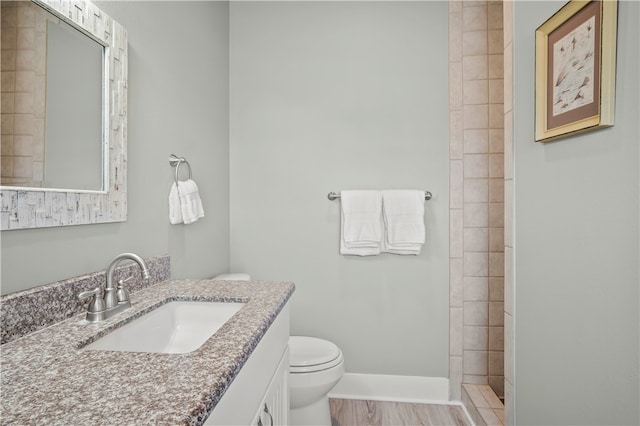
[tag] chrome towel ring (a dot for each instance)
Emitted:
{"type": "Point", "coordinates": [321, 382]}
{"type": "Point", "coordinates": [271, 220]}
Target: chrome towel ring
{"type": "Point", "coordinates": [176, 161]}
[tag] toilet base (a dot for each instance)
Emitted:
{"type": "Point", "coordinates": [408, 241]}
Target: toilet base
{"type": "Point", "coordinates": [316, 413]}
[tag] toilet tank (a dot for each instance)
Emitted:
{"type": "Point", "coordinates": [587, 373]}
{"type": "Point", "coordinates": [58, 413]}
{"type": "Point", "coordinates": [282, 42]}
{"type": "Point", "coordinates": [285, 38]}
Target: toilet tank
{"type": "Point", "coordinates": [233, 277]}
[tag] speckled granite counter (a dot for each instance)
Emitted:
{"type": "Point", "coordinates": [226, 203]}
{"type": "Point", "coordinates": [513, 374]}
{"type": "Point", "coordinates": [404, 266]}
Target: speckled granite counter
{"type": "Point", "coordinates": [48, 379]}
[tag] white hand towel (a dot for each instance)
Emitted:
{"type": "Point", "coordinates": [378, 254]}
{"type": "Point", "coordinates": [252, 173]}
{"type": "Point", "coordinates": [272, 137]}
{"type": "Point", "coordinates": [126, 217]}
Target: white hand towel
{"type": "Point", "coordinates": [403, 213]}
{"type": "Point", "coordinates": [175, 209]}
{"type": "Point", "coordinates": [361, 232]}
{"type": "Point", "coordinates": [190, 202]}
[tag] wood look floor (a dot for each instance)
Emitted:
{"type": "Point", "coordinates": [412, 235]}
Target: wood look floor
{"type": "Point", "coordinates": [353, 412]}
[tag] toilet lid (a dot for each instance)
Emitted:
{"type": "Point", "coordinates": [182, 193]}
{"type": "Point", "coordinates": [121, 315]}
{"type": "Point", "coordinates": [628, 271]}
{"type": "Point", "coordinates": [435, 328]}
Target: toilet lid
{"type": "Point", "coordinates": [312, 354]}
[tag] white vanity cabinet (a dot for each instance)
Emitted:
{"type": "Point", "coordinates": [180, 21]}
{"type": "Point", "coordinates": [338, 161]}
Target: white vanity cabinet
{"type": "Point", "coordinates": [259, 395]}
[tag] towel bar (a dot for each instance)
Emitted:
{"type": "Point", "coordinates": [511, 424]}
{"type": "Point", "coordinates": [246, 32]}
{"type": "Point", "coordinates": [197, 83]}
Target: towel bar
{"type": "Point", "coordinates": [175, 161]}
{"type": "Point", "coordinates": [335, 195]}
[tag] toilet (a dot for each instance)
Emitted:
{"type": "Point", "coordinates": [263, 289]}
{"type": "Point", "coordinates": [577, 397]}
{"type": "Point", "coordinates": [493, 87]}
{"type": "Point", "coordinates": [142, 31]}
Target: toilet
{"type": "Point", "coordinates": [315, 367]}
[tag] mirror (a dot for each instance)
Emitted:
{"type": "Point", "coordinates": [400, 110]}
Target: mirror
{"type": "Point", "coordinates": [64, 80]}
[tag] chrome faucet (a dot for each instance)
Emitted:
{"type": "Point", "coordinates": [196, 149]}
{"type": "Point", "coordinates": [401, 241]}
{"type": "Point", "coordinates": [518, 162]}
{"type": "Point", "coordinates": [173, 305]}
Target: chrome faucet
{"type": "Point", "coordinates": [115, 299]}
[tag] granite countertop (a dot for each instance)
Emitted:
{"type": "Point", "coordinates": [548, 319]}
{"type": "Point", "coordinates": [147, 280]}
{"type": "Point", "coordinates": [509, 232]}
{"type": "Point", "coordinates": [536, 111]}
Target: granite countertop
{"type": "Point", "coordinates": [48, 379]}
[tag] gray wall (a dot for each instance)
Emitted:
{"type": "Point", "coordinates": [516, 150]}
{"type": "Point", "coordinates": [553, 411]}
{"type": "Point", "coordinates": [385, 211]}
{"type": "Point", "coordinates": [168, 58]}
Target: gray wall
{"type": "Point", "coordinates": [576, 247]}
{"type": "Point", "coordinates": [178, 103]}
{"type": "Point", "coordinates": [328, 96]}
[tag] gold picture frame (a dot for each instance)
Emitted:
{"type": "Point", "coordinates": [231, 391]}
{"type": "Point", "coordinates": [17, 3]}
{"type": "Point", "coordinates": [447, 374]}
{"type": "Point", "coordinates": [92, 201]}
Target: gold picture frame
{"type": "Point", "coordinates": [576, 69]}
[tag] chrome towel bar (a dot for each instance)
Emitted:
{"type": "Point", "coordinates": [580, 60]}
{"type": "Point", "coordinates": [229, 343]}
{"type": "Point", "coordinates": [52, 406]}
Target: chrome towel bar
{"type": "Point", "coordinates": [335, 195]}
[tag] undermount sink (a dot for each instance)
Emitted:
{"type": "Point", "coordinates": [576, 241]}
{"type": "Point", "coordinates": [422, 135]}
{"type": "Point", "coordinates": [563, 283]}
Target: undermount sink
{"type": "Point", "coordinates": [174, 328]}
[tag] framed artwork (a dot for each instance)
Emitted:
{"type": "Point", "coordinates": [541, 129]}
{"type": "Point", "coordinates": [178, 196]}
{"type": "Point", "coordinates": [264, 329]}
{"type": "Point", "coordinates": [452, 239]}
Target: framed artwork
{"type": "Point", "coordinates": [575, 69]}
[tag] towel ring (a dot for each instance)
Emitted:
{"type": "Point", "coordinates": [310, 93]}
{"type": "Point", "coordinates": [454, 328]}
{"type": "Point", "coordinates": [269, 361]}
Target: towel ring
{"type": "Point", "coordinates": [176, 161]}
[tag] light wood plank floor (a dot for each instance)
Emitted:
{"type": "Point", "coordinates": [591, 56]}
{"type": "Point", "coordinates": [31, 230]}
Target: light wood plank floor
{"type": "Point", "coordinates": [353, 412]}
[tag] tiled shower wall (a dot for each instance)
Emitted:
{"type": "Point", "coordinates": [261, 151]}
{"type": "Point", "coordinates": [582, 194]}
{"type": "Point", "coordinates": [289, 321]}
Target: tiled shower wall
{"type": "Point", "coordinates": [23, 72]}
{"type": "Point", "coordinates": [476, 194]}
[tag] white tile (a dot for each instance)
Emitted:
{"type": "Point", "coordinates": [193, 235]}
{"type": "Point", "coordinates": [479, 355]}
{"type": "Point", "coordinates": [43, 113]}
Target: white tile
{"type": "Point", "coordinates": [496, 165]}
{"type": "Point", "coordinates": [496, 342]}
{"type": "Point", "coordinates": [495, 64]}
{"type": "Point", "coordinates": [23, 145]}
{"type": "Point", "coordinates": [455, 135]}
{"type": "Point", "coordinates": [496, 264]}
{"type": "Point", "coordinates": [25, 38]}
{"type": "Point", "coordinates": [455, 85]}
{"type": "Point", "coordinates": [476, 313]}
{"type": "Point", "coordinates": [475, 116]}
{"type": "Point", "coordinates": [456, 235]}
{"type": "Point", "coordinates": [496, 314]}
{"type": "Point", "coordinates": [455, 378]}
{"type": "Point", "coordinates": [475, 67]}
{"type": "Point", "coordinates": [476, 190]}
{"type": "Point", "coordinates": [476, 338]}
{"type": "Point", "coordinates": [23, 103]}
{"type": "Point", "coordinates": [456, 316]}
{"type": "Point", "coordinates": [495, 41]}
{"type": "Point", "coordinates": [476, 265]}
{"type": "Point", "coordinates": [476, 289]}
{"type": "Point", "coordinates": [496, 289]}
{"type": "Point", "coordinates": [476, 141]}
{"type": "Point", "coordinates": [456, 182]}
{"type": "Point", "coordinates": [496, 239]}
{"type": "Point", "coordinates": [455, 35]}
{"type": "Point", "coordinates": [25, 81]}
{"type": "Point", "coordinates": [22, 167]}
{"type": "Point", "coordinates": [496, 91]}
{"type": "Point", "coordinates": [456, 283]}
{"type": "Point", "coordinates": [494, 16]}
{"type": "Point", "coordinates": [474, 18]}
{"type": "Point", "coordinates": [474, 43]}
{"type": "Point", "coordinates": [475, 362]}
{"type": "Point", "coordinates": [496, 190]}
{"type": "Point", "coordinates": [476, 240]}
{"type": "Point", "coordinates": [476, 166]}
{"type": "Point", "coordinates": [496, 140]}
{"type": "Point", "coordinates": [475, 92]}
{"type": "Point", "coordinates": [476, 215]}
{"type": "Point", "coordinates": [23, 124]}
{"type": "Point", "coordinates": [496, 116]}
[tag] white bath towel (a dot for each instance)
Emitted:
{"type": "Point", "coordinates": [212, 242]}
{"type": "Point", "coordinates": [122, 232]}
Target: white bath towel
{"type": "Point", "coordinates": [175, 210]}
{"type": "Point", "coordinates": [188, 207]}
{"type": "Point", "coordinates": [361, 215]}
{"type": "Point", "coordinates": [403, 213]}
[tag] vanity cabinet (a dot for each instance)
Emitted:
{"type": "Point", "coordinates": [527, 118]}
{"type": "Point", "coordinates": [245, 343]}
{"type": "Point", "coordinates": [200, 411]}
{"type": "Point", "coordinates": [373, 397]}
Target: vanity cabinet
{"type": "Point", "coordinates": [259, 395]}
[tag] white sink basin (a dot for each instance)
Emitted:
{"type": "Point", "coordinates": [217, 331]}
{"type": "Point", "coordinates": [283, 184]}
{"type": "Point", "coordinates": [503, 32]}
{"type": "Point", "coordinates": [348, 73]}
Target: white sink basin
{"type": "Point", "coordinates": [174, 328]}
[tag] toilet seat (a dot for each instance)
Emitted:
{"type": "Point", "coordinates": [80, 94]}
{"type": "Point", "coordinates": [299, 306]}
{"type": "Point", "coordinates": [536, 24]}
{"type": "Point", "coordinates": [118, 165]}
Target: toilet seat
{"type": "Point", "coordinates": [310, 354]}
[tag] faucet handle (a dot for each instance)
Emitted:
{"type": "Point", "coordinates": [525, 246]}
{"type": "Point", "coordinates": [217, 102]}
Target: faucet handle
{"type": "Point", "coordinates": [96, 304]}
{"type": "Point", "coordinates": [123, 293]}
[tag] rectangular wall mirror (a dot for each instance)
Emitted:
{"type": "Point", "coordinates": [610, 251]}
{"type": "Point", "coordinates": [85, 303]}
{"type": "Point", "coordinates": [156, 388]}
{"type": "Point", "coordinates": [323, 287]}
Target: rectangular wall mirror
{"type": "Point", "coordinates": [64, 115]}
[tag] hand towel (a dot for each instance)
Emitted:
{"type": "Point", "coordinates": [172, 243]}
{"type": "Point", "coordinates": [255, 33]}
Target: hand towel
{"type": "Point", "coordinates": [361, 215]}
{"type": "Point", "coordinates": [403, 214]}
{"type": "Point", "coordinates": [190, 202]}
{"type": "Point", "coordinates": [175, 209]}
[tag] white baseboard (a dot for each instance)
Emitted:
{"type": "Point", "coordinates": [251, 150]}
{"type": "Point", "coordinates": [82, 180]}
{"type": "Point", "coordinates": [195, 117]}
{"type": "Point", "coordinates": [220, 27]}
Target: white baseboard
{"type": "Point", "coordinates": [377, 387]}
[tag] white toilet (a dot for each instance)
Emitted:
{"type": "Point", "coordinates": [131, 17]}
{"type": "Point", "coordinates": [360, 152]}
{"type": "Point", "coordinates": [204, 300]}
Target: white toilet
{"type": "Point", "coordinates": [315, 366]}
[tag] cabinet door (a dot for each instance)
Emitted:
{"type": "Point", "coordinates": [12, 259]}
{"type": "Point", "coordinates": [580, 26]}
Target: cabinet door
{"type": "Point", "coordinates": [274, 410]}
{"type": "Point", "coordinates": [245, 398]}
